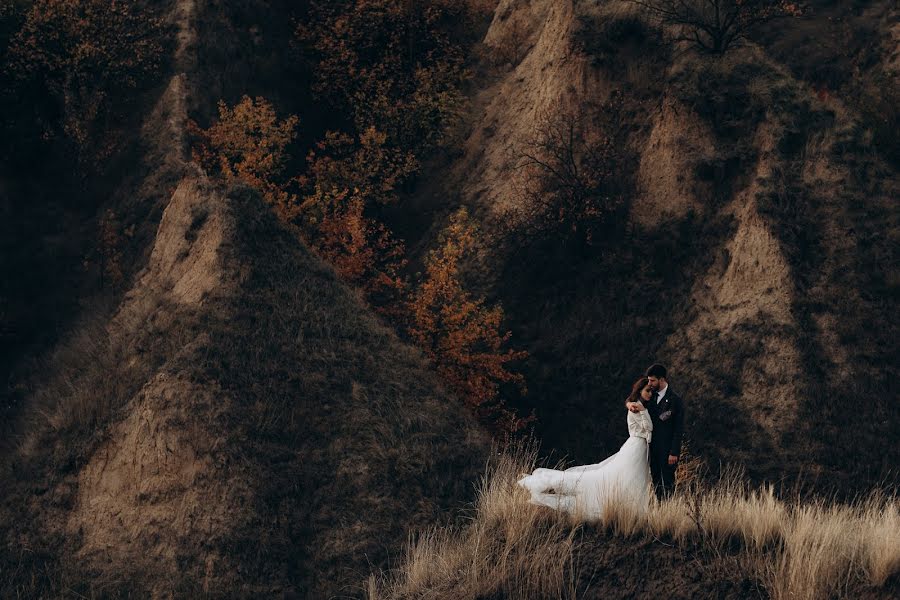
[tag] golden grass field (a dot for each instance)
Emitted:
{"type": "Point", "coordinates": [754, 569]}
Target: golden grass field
{"type": "Point", "coordinates": [793, 548]}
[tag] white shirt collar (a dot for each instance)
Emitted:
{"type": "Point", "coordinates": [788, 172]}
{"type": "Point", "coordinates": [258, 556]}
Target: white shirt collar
{"type": "Point", "coordinates": [662, 393]}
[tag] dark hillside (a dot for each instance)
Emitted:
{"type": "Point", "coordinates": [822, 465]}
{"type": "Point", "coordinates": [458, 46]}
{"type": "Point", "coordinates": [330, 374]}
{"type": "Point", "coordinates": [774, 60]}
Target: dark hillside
{"type": "Point", "coordinates": [55, 191]}
{"type": "Point", "coordinates": [292, 466]}
{"type": "Point", "coordinates": [251, 346]}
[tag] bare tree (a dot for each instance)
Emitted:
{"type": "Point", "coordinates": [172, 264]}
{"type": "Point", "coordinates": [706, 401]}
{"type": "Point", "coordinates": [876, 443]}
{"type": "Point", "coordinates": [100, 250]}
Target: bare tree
{"type": "Point", "coordinates": [714, 25]}
{"type": "Point", "coordinates": [568, 167]}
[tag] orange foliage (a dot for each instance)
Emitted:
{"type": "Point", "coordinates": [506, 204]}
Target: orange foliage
{"type": "Point", "coordinates": [248, 143]}
{"type": "Point", "coordinates": [346, 179]}
{"type": "Point", "coordinates": [368, 165]}
{"type": "Point", "coordinates": [75, 59]}
{"type": "Point", "coordinates": [461, 335]}
{"type": "Point", "coordinates": [362, 250]}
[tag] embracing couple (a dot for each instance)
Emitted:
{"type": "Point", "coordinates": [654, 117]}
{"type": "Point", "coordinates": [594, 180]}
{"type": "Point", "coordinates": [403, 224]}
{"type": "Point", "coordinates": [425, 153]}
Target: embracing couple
{"type": "Point", "coordinates": [655, 426]}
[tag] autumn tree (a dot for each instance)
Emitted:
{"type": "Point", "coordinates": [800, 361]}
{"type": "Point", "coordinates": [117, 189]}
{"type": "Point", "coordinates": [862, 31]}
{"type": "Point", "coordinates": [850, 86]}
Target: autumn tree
{"type": "Point", "coordinates": [714, 25]}
{"type": "Point", "coordinates": [569, 184]}
{"type": "Point", "coordinates": [361, 249]}
{"type": "Point", "coordinates": [461, 334]}
{"type": "Point", "coordinates": [249, 143]}
{"type": "Point", "coordinates": [75, 63]}
{"type": "Point", "coordinates": [366, 163]}
{"type": "Point", "coordinates": [347, 181]}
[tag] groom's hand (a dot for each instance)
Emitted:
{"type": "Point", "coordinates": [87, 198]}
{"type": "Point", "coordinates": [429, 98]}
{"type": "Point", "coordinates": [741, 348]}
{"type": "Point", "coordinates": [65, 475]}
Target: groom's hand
{"type": "Point", "coordinates": [673, 459]}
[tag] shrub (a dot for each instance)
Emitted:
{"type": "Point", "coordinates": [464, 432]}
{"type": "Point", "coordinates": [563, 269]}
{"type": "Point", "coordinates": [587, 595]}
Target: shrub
{"type": "Point", "coordinates": [249, 143]}
{"type": "Point", "coordinates": [365, 164]}
{"type": "Point", "coordinates": [461, 335]}
{"type": "Point", "coordinates": [347, 180]}
{"type": "Point", "coordinates": [714, 25]}
{"type": "Point", "coordinates": [362, 250]}
{"type": "Point", "coordinates": [603, 37]}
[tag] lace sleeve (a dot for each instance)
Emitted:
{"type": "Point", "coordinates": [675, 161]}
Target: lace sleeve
{"type": "Point", "coordinates": [639, 424]}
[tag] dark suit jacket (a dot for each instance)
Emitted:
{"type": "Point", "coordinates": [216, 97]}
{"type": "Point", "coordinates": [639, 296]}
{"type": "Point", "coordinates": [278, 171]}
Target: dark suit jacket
{"type": "Point", "coordinates": [667, 431]}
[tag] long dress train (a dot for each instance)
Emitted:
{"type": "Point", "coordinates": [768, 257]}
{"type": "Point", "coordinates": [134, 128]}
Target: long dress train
{"type": "Point", "coordinates": [587, 490]}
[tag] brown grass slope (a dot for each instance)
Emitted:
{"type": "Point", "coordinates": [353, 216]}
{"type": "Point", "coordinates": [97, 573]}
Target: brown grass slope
{"type": "Point", "coordinates": [246, 426]}
{"type": "Point", "coordinates": [755, 256]}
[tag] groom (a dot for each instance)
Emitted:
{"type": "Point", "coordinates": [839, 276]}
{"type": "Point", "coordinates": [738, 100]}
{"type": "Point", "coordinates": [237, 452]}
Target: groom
{"type": "Point", "coordinates": [666, 410]}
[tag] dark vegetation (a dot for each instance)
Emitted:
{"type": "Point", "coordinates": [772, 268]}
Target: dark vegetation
{"type": "Point", "coordinates": [840, 50]}
{"type": "Point", "coordinates": [74, 80]}
{"type": "Point", "coordinates": [572, 191]}
{"type": "Point", "coordinates": [713, 26]}
{"type": "Point", "coordinates": [585, 318]}
{"type": "Point", "coordinates": [576, 251]}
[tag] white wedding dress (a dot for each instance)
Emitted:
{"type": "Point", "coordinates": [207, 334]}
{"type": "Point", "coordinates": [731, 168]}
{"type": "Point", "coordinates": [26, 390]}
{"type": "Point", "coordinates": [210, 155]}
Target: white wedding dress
{"type": "Point", "coordinates": [586, 490]}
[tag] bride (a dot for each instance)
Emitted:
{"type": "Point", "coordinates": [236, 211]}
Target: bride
{"type": "Point", "coordinates": [624, 477]}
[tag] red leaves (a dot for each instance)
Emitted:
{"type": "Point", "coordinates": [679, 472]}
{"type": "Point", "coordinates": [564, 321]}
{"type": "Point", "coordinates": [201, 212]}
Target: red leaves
{"type": "Point", "coordinates": [249, 143]}
{"type": "Point", "coordinates": [461, 335]}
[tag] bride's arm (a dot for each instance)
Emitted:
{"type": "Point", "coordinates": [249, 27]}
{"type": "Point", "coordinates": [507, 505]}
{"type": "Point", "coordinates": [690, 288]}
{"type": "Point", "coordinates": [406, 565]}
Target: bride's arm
{"type": "Point", "coordinates": [646, 424]}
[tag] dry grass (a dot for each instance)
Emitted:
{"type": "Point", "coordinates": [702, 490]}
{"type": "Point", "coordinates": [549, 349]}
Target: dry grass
{"type": "Point", "coordinates": [509, 547]}
{"type": "Point", "coordinates": [794, 548]}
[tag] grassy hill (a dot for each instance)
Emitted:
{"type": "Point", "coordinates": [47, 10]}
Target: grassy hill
{"type": "Point", "coordinates": [722, 541]}
{"type": "Point", "coordinates": [242, 425]}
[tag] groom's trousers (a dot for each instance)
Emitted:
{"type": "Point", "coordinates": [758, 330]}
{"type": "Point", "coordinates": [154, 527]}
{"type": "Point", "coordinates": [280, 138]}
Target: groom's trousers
{"type": "Point", "coordinates": [663, 475]}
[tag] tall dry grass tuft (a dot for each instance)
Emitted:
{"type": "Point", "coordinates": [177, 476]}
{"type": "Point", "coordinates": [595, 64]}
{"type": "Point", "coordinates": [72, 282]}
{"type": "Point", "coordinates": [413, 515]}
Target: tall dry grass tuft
{"type": "Point", "coordinates": [509, 547]}
{"type": "Point", "coordinates": [880, 526]}
{"type": "Point", "coordinates": [820, 551]}
{"type": "Point", "coordinates": [827, 549]}
{"type": "Point", "coordinates": [796, 549]}
{"type": "Point", "coordinates": [732, 511]}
